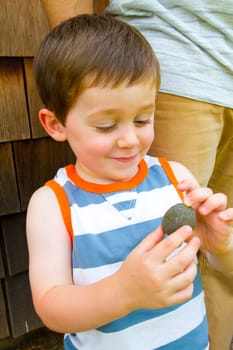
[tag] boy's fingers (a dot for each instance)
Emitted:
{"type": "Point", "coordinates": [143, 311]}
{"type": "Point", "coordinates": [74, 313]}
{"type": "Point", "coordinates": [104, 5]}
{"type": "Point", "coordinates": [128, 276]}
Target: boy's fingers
{"type": "Point", "coordinates": [216, 201]}
{"type": "Point", "coordinates": [161, 249]}
{"type": "Point", "coordinates": [150, 241]}
{"type": "Point", "coordinates": [184, 278]}
{"type": "Point", "coordinates": [182, 295]}
{"type": "Point", "coordinates": [197, 196]}
{"type": "Point", "coordinates": [172, 242]}
{"type": "Point", "coordinates": [227, 216]}
{"type": "Point", "coordinates": [182, 260]}
{"type": "Point", "coordinates": [188, 185]}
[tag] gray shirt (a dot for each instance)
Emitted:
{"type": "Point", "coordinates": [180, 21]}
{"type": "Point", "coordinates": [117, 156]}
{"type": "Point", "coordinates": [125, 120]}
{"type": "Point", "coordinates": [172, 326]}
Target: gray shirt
{"type": "Point", "coordinates": [193, 41]}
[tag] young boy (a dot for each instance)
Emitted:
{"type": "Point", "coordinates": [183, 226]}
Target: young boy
{"type": "Point", "coordinates": [100, 268]}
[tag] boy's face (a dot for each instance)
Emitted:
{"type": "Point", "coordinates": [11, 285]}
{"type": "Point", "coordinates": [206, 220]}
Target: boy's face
{"type": "Point", "coordinates": [110, 130]}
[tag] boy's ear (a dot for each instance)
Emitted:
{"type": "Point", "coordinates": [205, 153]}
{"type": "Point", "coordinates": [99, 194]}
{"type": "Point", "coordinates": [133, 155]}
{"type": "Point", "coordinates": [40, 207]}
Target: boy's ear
{"type": "Point", "coordinates": [52, 125]}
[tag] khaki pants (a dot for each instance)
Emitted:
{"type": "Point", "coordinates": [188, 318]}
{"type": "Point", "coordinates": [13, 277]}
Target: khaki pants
{"type": "Point", "coordinates": [200, 136]}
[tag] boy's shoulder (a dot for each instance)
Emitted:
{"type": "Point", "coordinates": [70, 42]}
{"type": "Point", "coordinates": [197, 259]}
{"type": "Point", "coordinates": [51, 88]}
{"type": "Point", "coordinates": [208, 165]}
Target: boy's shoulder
{"type": "Point", "coordinates": [173, 169]}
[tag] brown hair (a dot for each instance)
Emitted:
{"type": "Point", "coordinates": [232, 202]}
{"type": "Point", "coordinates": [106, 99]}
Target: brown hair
{"type": "Point", "coordinates": [87, 51]}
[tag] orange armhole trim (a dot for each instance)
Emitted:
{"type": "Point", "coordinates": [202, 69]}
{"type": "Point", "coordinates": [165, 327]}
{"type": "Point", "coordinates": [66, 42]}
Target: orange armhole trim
{"type": "Point", "coordinates": [64, 205]}
{"type": "Point", "coordinates": [167, 167]}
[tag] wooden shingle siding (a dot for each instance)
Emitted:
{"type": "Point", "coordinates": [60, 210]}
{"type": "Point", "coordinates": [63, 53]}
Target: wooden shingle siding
{"type": "Point", "coordinates": [4, 329]}
{"type": "Point", "coordinates": [2, 272]}
{"type": "Point", "coordinates": [33, 99]}
{"type": "Point", "coordinates": [13, 107]}
{"type": "Point", "coordinates": [16, 259]}
{"type": "Point", "coordinates": [23, 166]}
{"type": "Point", "coordinates": [37, 161]}
{"type": "Point", "coordinates": [19, 302]}
{"type": "Point", "coordinates": [9, 198]}
{"type": "Point", "coordinates": [23, 24]}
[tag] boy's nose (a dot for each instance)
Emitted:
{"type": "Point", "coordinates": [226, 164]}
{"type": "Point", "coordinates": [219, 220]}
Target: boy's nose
{"type": "Point", "coordinates": [128, 138]}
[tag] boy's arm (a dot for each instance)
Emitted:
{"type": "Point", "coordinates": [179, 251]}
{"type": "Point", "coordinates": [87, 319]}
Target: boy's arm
{"type": "Point", "coordinates": [146, 279]}
{"type": "Point", "coordinates": [59, 10]}
{"type": "Point", "coordinates": [61, 305]}
{"type": "Point", "coordinates": [215, 221]}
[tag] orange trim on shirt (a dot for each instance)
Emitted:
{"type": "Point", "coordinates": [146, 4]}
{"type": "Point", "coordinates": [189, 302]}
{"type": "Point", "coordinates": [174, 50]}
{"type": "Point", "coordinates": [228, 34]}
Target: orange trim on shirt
{"type": "Point", "coordinates": [64, 205]}
{"type": "Point", "coordinates": [105, 188]}
{"type": "Point", "coordinates": [102, 188]}
{"type": "Point", "coordinates": [167, 167]}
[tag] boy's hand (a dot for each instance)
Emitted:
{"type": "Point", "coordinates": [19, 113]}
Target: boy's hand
{"type": "Point", "coordinates": [150, 280]}
{"type": "Point", "coordinates": [214, 221]}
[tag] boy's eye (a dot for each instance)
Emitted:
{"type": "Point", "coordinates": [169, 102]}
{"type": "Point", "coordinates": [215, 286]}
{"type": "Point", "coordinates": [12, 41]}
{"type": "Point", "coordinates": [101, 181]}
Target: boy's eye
{"type": "Point", "coordinates": [142, 122]}
{"type": "Point", "coordinates": [105, 128]}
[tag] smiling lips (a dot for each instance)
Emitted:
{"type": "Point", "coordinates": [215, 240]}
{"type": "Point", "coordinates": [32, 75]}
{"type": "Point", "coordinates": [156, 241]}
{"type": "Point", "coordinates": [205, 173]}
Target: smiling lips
{"type": "Point", "coordinates": [125, 159]}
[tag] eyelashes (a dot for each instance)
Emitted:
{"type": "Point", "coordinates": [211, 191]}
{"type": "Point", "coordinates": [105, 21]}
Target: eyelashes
{"type": "Point", "coordinates": [105, 129]}
{"type": "Point", "coordinates": [109, 128]}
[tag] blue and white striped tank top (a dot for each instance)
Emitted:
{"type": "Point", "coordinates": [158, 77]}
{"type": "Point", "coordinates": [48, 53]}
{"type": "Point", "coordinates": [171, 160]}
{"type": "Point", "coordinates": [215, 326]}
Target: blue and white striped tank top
{"type": "Point", "coordinates": [106, 222]}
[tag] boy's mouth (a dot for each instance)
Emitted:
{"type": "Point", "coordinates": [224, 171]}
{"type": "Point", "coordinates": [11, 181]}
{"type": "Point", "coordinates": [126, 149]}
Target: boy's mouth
{"type": "Point", "coordinates": [126, 159]}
